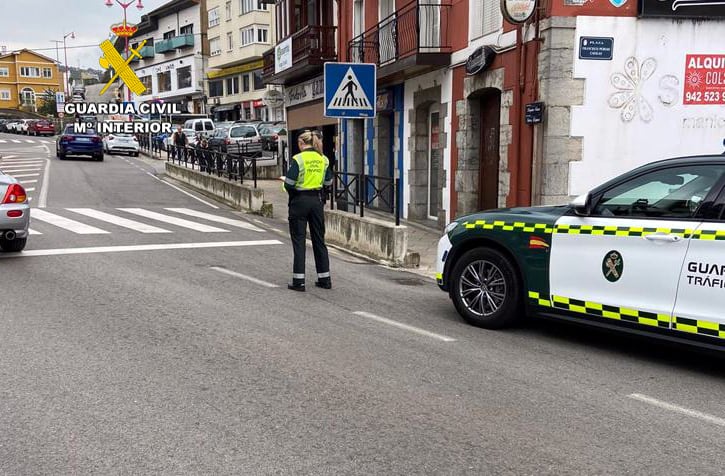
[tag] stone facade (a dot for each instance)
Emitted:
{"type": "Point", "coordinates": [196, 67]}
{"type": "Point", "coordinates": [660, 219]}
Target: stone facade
{"type": "Point", "coordinates": [468, 139]}
{"type": "Point", "coordinates": [559, 91]}
{"type": "Point", "coordinates": [418, 146]}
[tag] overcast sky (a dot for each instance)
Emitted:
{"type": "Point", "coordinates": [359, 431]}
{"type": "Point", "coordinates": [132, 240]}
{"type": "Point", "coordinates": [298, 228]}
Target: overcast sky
{"type": "Point", "coordinates": [34, 23]}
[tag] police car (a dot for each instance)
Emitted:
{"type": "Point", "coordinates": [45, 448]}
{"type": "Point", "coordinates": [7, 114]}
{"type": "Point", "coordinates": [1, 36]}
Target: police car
{"type": "Point", "coordinates": [642, 252]}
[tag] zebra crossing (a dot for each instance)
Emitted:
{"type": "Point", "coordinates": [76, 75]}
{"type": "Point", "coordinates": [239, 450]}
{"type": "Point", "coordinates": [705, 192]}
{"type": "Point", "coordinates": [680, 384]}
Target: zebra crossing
{"type": "Point", "coordinates": [26, 141]}
{"type": "Point", "coordinates": [90, 221]}
{"type": "Point", "coordinates": [26, 170]}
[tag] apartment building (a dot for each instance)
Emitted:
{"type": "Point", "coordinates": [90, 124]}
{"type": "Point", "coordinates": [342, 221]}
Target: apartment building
{"type": "Point", "coordinates": [173, 62]}
{"type": "Point", "coordinates": [24, 77]}
{"type": "Point", "coordinates": [240, 31]}
{"type": "Point", "coordinates": [306, 37]}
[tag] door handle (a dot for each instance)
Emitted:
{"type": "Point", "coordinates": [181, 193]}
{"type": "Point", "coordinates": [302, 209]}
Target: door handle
{"type": "Point", "coordinates": [662, 238]}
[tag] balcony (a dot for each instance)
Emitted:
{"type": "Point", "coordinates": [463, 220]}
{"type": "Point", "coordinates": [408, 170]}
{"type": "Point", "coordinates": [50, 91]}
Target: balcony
{"type": "Point", "coordinates": [182, 41]}
{"type": "Point", "coordinates": [411, 41]}
{"type": "Point", "coordinates": [311, 48]}
{"type": "Point", "coordinates": [164, 46]}
{"type": "Point", "coordinates": [147, 52]}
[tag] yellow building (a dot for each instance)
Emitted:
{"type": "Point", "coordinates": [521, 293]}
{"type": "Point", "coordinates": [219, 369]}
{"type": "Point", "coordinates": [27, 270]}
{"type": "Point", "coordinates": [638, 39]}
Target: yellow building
{"type": "Point", "coordinates": [24, 78]}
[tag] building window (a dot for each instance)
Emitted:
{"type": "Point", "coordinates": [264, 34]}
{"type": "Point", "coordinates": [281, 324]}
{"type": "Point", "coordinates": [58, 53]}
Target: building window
{"type": "Point", "coordinates": [213, 17]}
{"type": "Point", "coordinates": [258, 81]}
{"type": "Point", "coordinates": [4, 72]}
{"type": "Point", "coordinates": [233, 85]}
{"type": "Point", "coordinates": [262, 35]}
{"type": "Point", "coordinates": [169, 34]}
{"type": "Point", "coordinates": [246, 6]}
{"type": "Point", "coordinates": [164, 81]}
{"type": "Point", "coordinates": [230, 41]}
{"type": "Point", "coordinates": [254, 34]}
{"type": "Point", "coordinates": [216, 88]}
{"type": "Point", "coordinates": [187, 30]}
{"type": "Point", "coordinates": [47, 73]}
{"type": "Point", "coordinates": [27, 97]}
{"type": "Point", "coordinates": [215, 45]}
{"type": "Point", "coordinates": [30, 72]}
{"type": "Point", "coordinates": [245, 81]}
{"type": "Point", "coordinates": [5, 95]}
{"type": "Point", "coordinates": [485, 17]}
{"type": "Point", "coordinates": [146, 81]}
{"type": "Point", "coordinates": [183, 76]}
{"type": "Point", "coordinates": [229, 10]}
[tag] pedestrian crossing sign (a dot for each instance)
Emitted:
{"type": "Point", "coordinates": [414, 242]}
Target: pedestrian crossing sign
{"type": "Point", "coordinates": [350, 90]}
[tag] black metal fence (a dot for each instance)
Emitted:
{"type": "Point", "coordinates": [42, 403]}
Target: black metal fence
{"type": "Point", "coordinates": [150, 144]}
{"type": "Point", "coordinates": [352, 192]}
{"type": "Point", "coordinates": [235, 166]}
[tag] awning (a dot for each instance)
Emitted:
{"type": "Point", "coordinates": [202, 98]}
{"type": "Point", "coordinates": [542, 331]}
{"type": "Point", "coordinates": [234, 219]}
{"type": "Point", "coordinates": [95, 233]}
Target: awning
{"type": "Point", "coordinates": [224, 107]}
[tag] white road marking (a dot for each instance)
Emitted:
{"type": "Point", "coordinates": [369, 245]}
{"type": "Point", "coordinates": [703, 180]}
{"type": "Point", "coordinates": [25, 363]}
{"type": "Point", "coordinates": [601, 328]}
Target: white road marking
{"type": "Point", "coordinates": [23, 161]}
{"type": "Point", "coordinates": [30, 141]}
{"type": "Point", "coordinates": [26, 175]}
{"type": "Point", "coordinates": [215, 218]}
{"type": "Point", "coordinates": [25, 181]}
{"type": "Point", "coordinates": [18, 169]}
{"type": "Point", "coordinates": [3, 141]}
{"type": "Point", "coordinates": [118, 249]}
{"type": "Point", "coordinates": [31, 189]}
{"type": "Point", "coordinates": [678, 409]}
{"type": "Point", "coordinates": [406, 327]}
{"type": "Point", "coordinates": [244, 276]}
{"type": "Point", "coordinates": [16, 141]}
{"type": "Point", "coordinates": [277, 230]}
{"type": "Point", "coordinates": [43, 200]}
{"type": "Point", "coordinates": [174, 221]}
{"type": "Point", "coordinates": [33, 232]}
{"type": "Point", "coordinates": [65, 223]}
{"type": "Point", "coordinates": [120, 221]}
{"type": "Point", "coordinates": [8, 157]}
{"type": "Point", "coordinates": [183, 191]}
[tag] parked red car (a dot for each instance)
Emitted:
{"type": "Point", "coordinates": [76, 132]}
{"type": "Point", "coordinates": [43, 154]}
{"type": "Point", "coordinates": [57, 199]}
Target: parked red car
{"type": "Point", "coordinates": [40, 128]}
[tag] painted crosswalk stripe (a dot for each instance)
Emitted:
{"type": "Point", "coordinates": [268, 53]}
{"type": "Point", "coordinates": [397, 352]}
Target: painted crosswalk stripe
{"type": "Point", "coordinates": [10, 170]}
{"type": "Point", "coordinates": [173, 220]}
{"type": "Point", "coordinates": [215, 218]}
{"type": "Point", "coordinates": [23, 182]}
{"type": "Point", "coordinates": [33, 232]}
{"type": "Point", "coordinates": [30, 141]}
{"type": "Point", "coordinates": [31, 189]}
{"type": "Point", "coordinates": [65, 223]}
{"type": "Point", "coordinates": [16, 141]}
{"type": "Point", "coordinates": [26, 175]}
{"type": "Point", "coordinates": [120, 221]}
{"type": "Point", "coordinates": [3, 141]}
{"type": "Point", "coordinates": [22, 161]}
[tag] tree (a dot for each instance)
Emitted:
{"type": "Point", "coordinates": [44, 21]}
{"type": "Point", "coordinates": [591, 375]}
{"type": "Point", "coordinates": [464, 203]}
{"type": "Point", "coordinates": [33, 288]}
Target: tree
{"type": "Point", "coordinates": [48, 107]}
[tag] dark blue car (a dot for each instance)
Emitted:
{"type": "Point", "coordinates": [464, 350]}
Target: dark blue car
{"type": "Point", "coordinates": [71, 143]}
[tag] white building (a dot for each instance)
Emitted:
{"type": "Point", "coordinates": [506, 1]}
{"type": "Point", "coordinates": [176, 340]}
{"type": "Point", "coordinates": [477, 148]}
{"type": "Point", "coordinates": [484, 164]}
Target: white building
{"type": "Point", "coordinates": [174, 55]}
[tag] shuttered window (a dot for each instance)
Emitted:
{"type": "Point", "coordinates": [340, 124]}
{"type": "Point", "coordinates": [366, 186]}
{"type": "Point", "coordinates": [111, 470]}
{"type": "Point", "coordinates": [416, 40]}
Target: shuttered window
{"type": "Point", "coordinates": [485, 17]}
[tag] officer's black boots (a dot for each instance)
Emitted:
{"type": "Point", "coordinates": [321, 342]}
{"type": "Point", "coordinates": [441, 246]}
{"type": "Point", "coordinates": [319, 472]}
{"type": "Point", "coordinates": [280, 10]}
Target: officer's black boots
{"type": "Point", "coordinates": [297, 285]}
{"type": "Point", "coordinates": [324, 283]}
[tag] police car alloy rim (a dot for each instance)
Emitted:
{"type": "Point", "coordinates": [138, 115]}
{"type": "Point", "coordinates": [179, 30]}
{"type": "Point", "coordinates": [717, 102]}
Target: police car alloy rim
{"type": "Point", "coordinates": [482, 288]}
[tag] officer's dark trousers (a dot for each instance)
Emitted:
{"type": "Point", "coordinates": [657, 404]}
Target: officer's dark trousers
{"type": "Point", "coordinates": [306, 207]}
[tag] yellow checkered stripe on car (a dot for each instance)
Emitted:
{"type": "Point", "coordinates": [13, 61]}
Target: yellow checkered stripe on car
{"type": "Point", "coordinates": [595, 230]}
{"type": "Point", "coordinates": [601, 310]}
{"type": "Point", "coordinates": [510, 226]}
{"type": "Point", "coordinates": [694, 326]}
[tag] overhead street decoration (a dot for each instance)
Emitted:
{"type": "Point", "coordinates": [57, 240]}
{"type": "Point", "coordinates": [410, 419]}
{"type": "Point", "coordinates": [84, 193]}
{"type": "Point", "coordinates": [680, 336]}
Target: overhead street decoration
{"type": "Point", "coordinates": [350, 90]}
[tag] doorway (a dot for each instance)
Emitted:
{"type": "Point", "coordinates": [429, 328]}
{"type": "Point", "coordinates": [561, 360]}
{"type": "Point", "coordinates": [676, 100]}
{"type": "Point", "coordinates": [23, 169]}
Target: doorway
{"type": "Point", "coordinates": [490, 103]}
{"type": "Point", "coordinates": [434, 161]}
{"type": "Point", "coordinates": [387, 34]}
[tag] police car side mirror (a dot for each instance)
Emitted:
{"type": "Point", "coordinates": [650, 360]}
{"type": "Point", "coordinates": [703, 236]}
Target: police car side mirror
{"type": "Point", "coordinates": [582, 205]}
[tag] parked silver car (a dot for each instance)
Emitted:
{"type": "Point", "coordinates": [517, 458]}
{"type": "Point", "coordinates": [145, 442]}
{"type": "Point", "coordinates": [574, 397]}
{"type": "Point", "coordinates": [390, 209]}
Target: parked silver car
{"type": "Point", "coordinates": [14, 214]}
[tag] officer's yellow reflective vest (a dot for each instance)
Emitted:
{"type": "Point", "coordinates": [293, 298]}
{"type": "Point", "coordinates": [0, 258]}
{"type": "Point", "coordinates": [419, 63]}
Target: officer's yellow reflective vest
{"type": "Point", "coordinates": [312, 167]}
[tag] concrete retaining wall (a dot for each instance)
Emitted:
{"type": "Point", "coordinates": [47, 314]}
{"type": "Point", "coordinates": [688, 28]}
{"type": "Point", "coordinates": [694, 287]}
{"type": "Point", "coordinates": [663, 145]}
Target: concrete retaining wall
{"type": "Point", "coordinates": [237, 195]}
{"type": "Point", "coordinates": [377, 239]}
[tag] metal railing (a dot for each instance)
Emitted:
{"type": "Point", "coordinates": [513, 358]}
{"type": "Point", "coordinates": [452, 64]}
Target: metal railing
{"type": "Point", "coordinates": [356, 192]}
{"type": "Point", "coordinates": [235, 166]}
{"type": "Point", "coordinates": [149, 143]}
{"type": "Point", "coordinates": [418, 27]}
{"type": "Point", "coordinates": [314, 43]}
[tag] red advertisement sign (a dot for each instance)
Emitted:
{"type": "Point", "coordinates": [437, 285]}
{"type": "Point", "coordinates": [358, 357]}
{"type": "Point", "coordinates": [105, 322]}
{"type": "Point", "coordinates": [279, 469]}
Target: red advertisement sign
{"type": "Point", "coordinates": [704, 80]}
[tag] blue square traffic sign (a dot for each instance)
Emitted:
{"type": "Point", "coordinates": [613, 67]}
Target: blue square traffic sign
{"type": "Point", "coordinates": [350, 90]}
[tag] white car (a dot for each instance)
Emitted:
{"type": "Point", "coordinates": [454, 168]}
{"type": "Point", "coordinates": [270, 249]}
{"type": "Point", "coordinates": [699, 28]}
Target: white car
{"type": "Point", "coordinates": [21, 126]}
{"type": "Point", "coordinates": [121, 144]}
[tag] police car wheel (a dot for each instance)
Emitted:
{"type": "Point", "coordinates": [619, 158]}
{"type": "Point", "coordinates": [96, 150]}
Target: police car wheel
{"type": "Point", "coordinates": [485, 289]}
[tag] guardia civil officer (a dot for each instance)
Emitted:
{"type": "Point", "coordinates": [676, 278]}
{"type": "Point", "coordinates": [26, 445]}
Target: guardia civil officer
{"type": "Point", "coordinates": [308, 173]}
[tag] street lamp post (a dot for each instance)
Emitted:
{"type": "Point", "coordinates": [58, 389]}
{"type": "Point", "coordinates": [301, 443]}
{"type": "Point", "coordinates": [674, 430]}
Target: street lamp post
{"type": "Point", "coordinates": [125, 5]}
{"type": "Point", "coordinates": [65, 53]}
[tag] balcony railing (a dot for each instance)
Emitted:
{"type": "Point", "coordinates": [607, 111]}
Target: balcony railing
{"type": "Point", "coordinates": [417, 28]}
{"type": "Point", "coordinates": [164, 46]}
{"type": "Point", "coordinates": [147, 52]}
{"type": "Point", "coordinates": [182, 41]}
{"type": "Point", "coordinates": [313, 45]}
